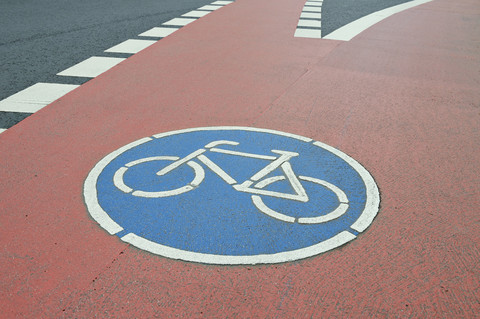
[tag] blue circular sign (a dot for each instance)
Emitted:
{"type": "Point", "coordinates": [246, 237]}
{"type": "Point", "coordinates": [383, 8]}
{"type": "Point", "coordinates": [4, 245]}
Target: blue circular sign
{"type": "Point", "coordinates": [231, 195]}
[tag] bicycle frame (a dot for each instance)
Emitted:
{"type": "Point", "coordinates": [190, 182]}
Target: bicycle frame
{"type": "Point", "coordinates": [247, 186]}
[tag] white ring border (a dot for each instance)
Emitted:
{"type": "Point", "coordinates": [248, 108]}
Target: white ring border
{"type": "Point", "coordinates": [102, 218]}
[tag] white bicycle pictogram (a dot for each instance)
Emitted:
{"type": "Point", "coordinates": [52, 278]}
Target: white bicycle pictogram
{"type": "Point", "coordinates": [254, 185]}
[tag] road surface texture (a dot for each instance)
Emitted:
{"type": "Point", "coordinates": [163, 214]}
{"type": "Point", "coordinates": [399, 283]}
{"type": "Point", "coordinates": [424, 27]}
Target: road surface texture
{"type": "Point", "coordinates": [402, 98]}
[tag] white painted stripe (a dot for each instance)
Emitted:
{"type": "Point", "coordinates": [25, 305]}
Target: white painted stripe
{"type": "Point", "coordinates": [174, 253]}
{"type": "Point", "coordinates": [91, 67]}
{"type": "Point", "coordinates": [236, 153]}
{"type": "Point", "coordinates": [308, 33]}
{"type": "Point", "coordinates": [233, 128]}
{"type": "Point", "coordinates": [90, 188]}
{"type": "Point", "coordinates": [158, 32]}
{"type": "Point", "coordinates": [221, 142]}
{"type": "Point", "coordinates": [2, 130]}
{"type": "Point", "coordinates": [313, 4]}
{"type": "Point", "coordinates": [349, 31]}
{"type": "Point", "coordinates": [312, 9]}
{"type": "Point", "coordinates": [311, 15]}
{"type": "Point", "coordinates": [196, 14]}
{"type": "Point", "coordinates": [309, 23]}
{"type": "Point", "coordinates": [221, 3]}
{"type": "Point", "coordinates": [35, 97]}
{"type": "Point", "coordinates": [179, 162]}
{"type": "Point", "coordinates": [131, 46]}
{"type": "Point", "coordinates": [209, 8]}
{"type": "Point", "coordinates": [215, 168]}
{"type": "Point", "coordinates": [179, 21]}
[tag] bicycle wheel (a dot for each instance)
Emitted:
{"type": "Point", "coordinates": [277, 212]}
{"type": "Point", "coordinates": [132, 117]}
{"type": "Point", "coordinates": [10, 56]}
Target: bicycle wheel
{"type": "Point", "coordinates": [119, 182]}
{"type": "Point", "coordinates": [334, 214]}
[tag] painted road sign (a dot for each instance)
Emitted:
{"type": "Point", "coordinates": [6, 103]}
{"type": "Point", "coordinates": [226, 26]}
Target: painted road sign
{"type": "Point", "coordinates": [231, 195]}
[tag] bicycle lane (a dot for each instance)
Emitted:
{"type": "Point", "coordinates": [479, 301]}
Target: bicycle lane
{"type": "Point", "coordinates": [241, 66]}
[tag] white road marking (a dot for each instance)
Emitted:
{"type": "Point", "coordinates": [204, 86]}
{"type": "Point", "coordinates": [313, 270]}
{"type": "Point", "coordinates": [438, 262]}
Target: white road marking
{"type": "Point", "coordinates": [214, 167]}
{"type": "Point", "coordinates": [91, 67]}
{"type": "Point", "coordinates": [179, 21]}
{"type": "Point", "coordinates": [90, 191]}
{"type": "Point", "coordinates": [118, 180]}
{"type": "Point", "coordinates": [313, 4]}
{"type": "Point", "coordinates": [2, 130]}
{"type": "Point", "coordinates": [158, 249]}
{"type": "Point", "coordinates": [349, 31]}
{"type": "Point", "coordinates": [312, 9]}
{"type": "Point", "coordinates": [308, 33]}
{"type": "Point", "coordinates": [131, 46]}
{"type": "Point", "coordinates": [310, 23]}
{"type": "Point", "coordinates": [229, 128]}
{"type": "Point", "coordinates": [222, 3]}
{"type": "Point", "coordinates": [209, 8]}
{"type": "Point", "coordinates": [311, 15]}
{"type": "Point", "coordinates": [158, 32]}
{"type": "Point", "coordinates": [373, 197]}
{"type": "Point", "coordinates": [196, 14]}
{"type": "Point", "coordinates": [35, 97]}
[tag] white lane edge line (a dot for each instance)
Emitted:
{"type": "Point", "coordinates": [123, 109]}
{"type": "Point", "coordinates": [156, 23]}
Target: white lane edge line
{"type": "Point", "coordinates": [35, 97]}
{"type": "Point", "coordinates": [158, 32]}
{"type": "Point", "coordinates": [179, 21]}
{"type": "Point", "coordinates": [131, 46]}
{"type": "Point", "coordinates": [351, 30]}
{"type": "Point", "coordinates": [91, 67]}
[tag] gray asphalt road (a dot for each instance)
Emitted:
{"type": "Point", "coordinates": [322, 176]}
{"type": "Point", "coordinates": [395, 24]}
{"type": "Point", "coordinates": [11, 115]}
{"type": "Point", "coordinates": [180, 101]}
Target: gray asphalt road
{"type": "Point", "coordinates": [39, 38]}
{"type": "Point", "coordinates": [337, 13]}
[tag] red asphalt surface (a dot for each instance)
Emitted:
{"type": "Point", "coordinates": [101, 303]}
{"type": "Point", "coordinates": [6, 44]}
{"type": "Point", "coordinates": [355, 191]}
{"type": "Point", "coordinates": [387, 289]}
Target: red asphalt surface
{"type": "Point", "coordinates": [402, 98]}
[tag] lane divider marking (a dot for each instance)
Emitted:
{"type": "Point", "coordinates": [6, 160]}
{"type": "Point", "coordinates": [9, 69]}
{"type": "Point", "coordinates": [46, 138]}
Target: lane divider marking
{"type": "Point", "coordinates": [179, 21]}
{"type": "Point", "coordinates": [39, 95]}
{"type": "Point", "coordinates": [131, 46]}
{"type": "Point", "coordinates": [349, 31]}
{"type": "Point", "coordinates": [91, 67]}
{"type": "Point", "coordinates": [158, 32]}
{"type": "Point", "coordinates": [35, 97]}
{"type": "Point", "coordinates": [310, 22]}
{"type": "Point", "coordinates": [195, 14]}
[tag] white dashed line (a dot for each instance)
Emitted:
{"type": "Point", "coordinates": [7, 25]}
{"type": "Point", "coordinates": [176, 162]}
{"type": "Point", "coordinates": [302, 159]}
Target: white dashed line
{"type": "Point", "coordinates": [131, 46]}
{"type": "Point", "coordinates": [312, 9]}
{"type": "Point", "coordinates": [195, 14]}
{"type": "Point", "coordinates": [158, 32]}
{"type": "Point", "coordinates": [39, 95]}
{"type": "Point", "coordinates": [179, 21]}
{"type": "Point", "coordinates": [310, 23]}
{"type": "Point", "coordinates": [209, 8]}
{"type": "Point", "coordinates": [308, 33]}
{"type": "Point", "coordinates": [222, 3]}
{"type": "Point", "coordinates": [311, 15]}
{"type": "Point", "coordinates": [91, 67]}
{"type": "Point", "coordinates": [35, 97]}
{"type": "Point", "coordinates": [314, 4]}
